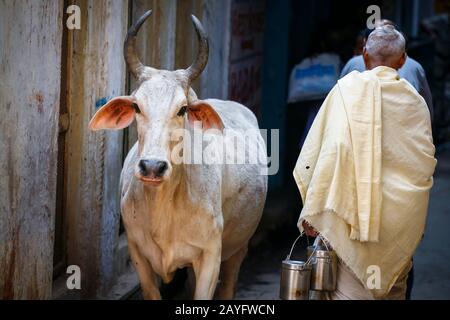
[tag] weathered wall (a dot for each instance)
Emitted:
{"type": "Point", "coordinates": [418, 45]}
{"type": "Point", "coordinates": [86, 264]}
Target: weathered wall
{"type": "Point", "coordinates": [155, 42]}
{"type": "Point", "coordinates": [246, 53]}
{"type": "Point", "coordinates": [186, 39]}
{"type": "Point", "coordinates": [156, 39]}
{"type": "Point", "coordinates": [96, 73]}
{"type": "Point", "coordinates": [217, 22]}
{"type": "Point", "coordinates": [168, 41]}
{"type": "Point", "coordinates": [30, 42]}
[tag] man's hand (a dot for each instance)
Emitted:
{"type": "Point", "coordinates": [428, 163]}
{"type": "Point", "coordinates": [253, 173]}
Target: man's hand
{"type": "Point", "coordinates": [309, 230]}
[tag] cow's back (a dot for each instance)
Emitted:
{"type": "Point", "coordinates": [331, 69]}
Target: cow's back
{"type": "Point", "coordinates": [234, 115]}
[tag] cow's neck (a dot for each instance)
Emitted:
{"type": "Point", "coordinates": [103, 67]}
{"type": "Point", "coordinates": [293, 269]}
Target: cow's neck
{"type": "Point", "coordinates": [169, 191]}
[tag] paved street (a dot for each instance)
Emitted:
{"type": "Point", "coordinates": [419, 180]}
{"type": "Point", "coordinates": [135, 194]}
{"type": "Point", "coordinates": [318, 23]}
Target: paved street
{"type": "Point", "coordinates": [432, 260]}
{"type": "Point", "coordinates": [259, 278]}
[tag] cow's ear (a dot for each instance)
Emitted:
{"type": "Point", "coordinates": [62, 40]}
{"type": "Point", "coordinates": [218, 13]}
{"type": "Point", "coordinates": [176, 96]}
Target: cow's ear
{"type": "Point", "coordinates": [118, 113]}
{"type": "Point", "coordinates": [205, 113]}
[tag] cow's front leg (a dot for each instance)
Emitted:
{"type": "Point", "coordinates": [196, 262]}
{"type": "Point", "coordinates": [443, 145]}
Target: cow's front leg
{"type": "Point", "coordinates": [206, 270]}
{"type": "Point", "coordinates": [147, 277]}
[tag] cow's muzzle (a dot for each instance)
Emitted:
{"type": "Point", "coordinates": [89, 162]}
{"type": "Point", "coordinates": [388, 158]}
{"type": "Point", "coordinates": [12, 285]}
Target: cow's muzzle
{"type": "Point", "coordinates": [152, 171]}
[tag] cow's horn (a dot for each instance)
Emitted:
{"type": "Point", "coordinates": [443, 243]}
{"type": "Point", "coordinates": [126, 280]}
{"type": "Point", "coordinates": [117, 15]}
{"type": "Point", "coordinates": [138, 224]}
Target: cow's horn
{"type": "Point", "coordinates": [203, 50]}
{"type": "Point", "coordinates": [129, 48]}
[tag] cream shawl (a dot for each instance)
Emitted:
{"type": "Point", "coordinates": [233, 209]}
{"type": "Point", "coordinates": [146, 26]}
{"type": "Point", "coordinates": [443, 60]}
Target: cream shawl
{"type": "Point", "coordinates": [365, 171]}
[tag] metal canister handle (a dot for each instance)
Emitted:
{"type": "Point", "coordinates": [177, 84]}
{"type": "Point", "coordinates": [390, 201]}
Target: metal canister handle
{"type": "Point", "coordinates": [292, 248]}
{"type": "Point", "coordinates": [293, 245]}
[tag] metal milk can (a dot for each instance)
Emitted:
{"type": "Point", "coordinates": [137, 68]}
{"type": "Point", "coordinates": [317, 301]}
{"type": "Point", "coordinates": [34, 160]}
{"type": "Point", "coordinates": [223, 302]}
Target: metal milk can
{"type": "Point", "coordinates": [324, 266]}
{"type": "Point", "coordinates": [295, 278]}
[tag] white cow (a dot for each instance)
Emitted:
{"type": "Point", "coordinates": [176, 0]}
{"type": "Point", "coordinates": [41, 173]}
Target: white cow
{"type": "Point", "coordinates": [180, 214]}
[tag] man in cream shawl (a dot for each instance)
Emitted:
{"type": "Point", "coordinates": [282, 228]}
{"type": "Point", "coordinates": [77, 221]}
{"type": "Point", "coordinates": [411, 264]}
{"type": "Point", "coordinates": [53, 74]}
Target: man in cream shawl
{"type": "Point", "coordinates": [365, 172]}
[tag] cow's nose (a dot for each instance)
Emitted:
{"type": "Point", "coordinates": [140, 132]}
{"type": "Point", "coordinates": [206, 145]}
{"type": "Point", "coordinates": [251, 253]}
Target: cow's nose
{"type": "Point", "coordinates": [153, 167]}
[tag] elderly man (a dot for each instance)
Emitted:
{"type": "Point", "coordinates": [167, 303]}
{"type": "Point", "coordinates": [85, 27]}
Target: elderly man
{"type": "Point", "coordinates": [411, 71]}
{"type": "Point", "coordinates": [365, 172]}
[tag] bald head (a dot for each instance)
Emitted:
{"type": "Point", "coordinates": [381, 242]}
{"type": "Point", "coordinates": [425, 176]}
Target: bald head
{"type": "Point", "coordinates": [385, 46]}
{"type": "Point", "coordinates": [384, 22]}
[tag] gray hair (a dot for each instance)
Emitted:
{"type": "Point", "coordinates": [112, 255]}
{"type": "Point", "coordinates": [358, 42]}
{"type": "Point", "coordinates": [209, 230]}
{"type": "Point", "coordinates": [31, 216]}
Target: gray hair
{"type": "Point", "coordinates": [385, 42]}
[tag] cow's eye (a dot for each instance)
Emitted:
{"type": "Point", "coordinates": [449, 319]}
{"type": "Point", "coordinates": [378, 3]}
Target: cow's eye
{"type": "Point", "coordinates": [182, 111]}
{"type": "Point", "coordinates": [136, 108]}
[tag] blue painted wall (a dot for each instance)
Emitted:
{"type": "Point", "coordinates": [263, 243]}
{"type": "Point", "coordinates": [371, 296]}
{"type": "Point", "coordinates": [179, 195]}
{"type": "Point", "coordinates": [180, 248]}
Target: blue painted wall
{"type": "Point", "coordinates": [275, 76]}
